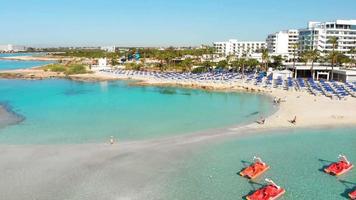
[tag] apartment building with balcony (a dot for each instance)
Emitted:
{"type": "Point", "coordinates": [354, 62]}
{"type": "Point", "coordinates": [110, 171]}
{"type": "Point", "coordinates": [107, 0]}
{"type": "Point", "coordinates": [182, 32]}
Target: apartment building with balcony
{"type": "Point", "coordinates": [283, 43]}
{"type": "Point", "coordinates": [318, 34]}
{"type": "Point", "coordinates": [238, 48]}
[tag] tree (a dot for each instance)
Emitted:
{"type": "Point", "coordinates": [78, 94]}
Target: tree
{"type": "Point", "coordinates": [223, 64]}
{"type": "Point", "coordinates": [252, 63]}
{"type": "Point", "coordinates": [342, 59]}
{"type": "Point", "coordinates": [277, 61]}
{"type": "Point", "coordinates": [230, 58]}
{"type": "Point", "coordinates": [311, 56]}
{"type": "Point", "coordinates": [114, 61]}
{"type": "Point", "coordinates": [333, 55]}
{"type": "Point", "coordinates": [235, 65]}
{"type": "Point", "coordinates": [207, 65]}
{"type": "Point", "coordinates": [240, 65]}
{"type": "Point", "coordinates": [186, 65]}
{"type": "Point", "coordinates": [265, 58]}
{"type": "Point", "coordinates": [352, 52]}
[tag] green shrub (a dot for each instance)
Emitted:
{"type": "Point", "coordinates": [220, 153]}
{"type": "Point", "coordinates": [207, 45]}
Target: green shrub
{"type": "Point", "coordinates": [76, 69]}
{"type": "Point", "coordinates": [55, 68]}
{"type": "Point", "coordinates": [66, 69]}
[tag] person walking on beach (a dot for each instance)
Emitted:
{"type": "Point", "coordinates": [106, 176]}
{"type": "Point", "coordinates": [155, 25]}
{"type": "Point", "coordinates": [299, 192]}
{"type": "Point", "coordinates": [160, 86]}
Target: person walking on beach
{"type": "Point", "coordinates": [112, 140]}
{"type": "Point", "coordinates": [294, 120]}
{"type": "Point", "coordinates": [261, 121]}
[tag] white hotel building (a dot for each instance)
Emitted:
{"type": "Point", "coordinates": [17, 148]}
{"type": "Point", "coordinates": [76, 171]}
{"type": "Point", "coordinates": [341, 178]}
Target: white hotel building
{"type": "Point", "coordinates": [12, 48]}
{"type": "Point", "coordinates": [283, 43]}
{"type": "Point", "coordinates": [317, 34]}
{"type": "Point", "coordinates": [238, 48]}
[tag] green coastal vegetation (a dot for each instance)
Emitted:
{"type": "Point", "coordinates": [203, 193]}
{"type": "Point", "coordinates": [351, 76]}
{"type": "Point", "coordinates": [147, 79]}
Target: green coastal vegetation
{"type": "Point", "coordinates": [203, 59]}
{"type": "Point", "coordinates": [67, 69]}
{"type": "Point", "coordinates": [83, 53]}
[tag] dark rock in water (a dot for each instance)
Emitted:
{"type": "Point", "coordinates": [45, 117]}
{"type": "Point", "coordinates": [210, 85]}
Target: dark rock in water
{"type": "Point", "coordinates": [172, 91]}
{"type": "Point", "coordinates": [252, 114]}
{"type": "Point", "coordinates": [167, 91]}
{"type": "Point", "coordinates": [8, 116]}
{"type": "Point", "coordinates": [75, 92]}
{"type": "Point", "coordinates": [186, 93]}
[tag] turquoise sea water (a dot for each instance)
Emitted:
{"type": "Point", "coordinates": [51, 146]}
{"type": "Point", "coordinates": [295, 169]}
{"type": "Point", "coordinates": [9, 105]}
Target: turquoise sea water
{"type": "Point", "coordinates": [296, 158]}
{"type": "Point", "coordinates": [20, 54]}
{"type": "Point", "coordinates": [16, 64]}
{"type": "Point", "coordinates": [63, 111]}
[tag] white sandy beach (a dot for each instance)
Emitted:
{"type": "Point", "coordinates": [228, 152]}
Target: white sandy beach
{"type": "Point", "coordinates": [310, 110]}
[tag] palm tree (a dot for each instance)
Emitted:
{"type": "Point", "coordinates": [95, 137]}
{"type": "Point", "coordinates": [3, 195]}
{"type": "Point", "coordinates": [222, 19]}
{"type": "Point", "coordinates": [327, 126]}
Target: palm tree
{"type": "Point", "coordinates": [311, 56]}
{"type": "Point", "coordinates": [352, 52]}
{"type": "Point", "coordinates": [265, 58]}
{"type": "Point", "coordinates": [252, 63]}
{"type": "Point", "coordinates": [243, 62]}
{"type": "Point", "coordinates": [334, 41]}
{"type": "Point", "coordinates": [277, 61]}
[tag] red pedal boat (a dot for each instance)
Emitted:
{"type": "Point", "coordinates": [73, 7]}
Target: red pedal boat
{"type": "Point", "coordinates": [340, 167]}
{"type": "Point", "coordinates": [352, 195]}
{"type": "Point", "coordinates": [268, 192]}
{"type": "Point", "coordinates": [255, 169]}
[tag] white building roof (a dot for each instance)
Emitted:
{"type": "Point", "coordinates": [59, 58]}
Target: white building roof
{"type": "Point", "coordinates": [349, 22]}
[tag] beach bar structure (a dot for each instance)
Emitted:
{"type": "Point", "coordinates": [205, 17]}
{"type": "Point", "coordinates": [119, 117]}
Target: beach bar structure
{"type": "Point", "coordinates": [345, 75]}
{"type": "Point", "coordinates": [320, 71]}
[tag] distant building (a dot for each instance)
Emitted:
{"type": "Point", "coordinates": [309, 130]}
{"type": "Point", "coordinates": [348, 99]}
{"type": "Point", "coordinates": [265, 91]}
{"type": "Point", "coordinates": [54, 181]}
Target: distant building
{"type": "Point", "coordinates": [317, 35]}
{"type": "Point", "coordinates": [210, 57]}
{"type": "Point", "coordinates": [110, 49]}
{"type": "Point", "coordinates": [283, 43]}
{"type": "Point", "coordinates": [102, 62]}
{"type": "Point", "coordinates": [12, 48]}
{"type": "Point", "coordinates": [238, 48]}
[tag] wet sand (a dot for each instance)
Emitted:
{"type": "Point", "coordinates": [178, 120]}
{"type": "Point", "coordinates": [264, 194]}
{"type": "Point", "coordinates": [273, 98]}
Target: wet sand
{"type": "Point", "coordinates": [127, 170]}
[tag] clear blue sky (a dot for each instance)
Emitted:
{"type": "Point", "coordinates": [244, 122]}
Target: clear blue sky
{"type": "Point", "coordinates": [158, 22]}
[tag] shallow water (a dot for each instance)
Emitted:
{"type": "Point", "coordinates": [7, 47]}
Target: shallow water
{"type": "Point", "coordinates": [296, 158]}
{"type": "Point", "coordinates": [20, 54]}
{"type": "Point", "coordinates": [63, 111]}
{"type": "Point", "coordinates": [7, 116]}
{"type": "Point", "coordinates": [17, 64]}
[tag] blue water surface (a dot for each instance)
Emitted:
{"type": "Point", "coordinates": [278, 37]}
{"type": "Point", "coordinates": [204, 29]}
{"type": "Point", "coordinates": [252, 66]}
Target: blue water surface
{"type": "Point", "coordinates": [64, 111]}
{"type": "Point", "coordinates": [17, 64]}
{"type": "Point", "coordinates": [296, 157]}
